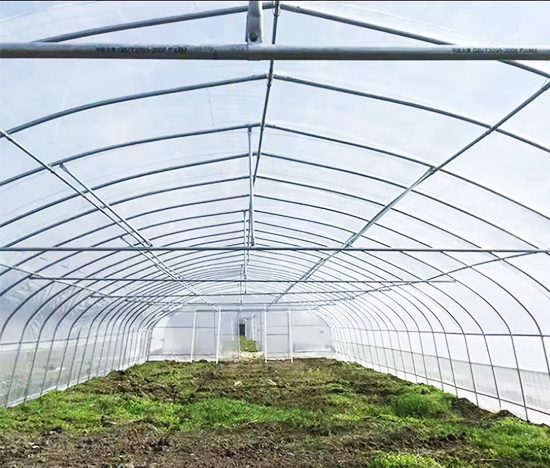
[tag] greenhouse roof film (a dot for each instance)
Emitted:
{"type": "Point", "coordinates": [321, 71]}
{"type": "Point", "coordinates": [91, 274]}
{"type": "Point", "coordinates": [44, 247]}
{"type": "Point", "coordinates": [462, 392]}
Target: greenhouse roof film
{"type": "Point", "coordinates": [367, 181]}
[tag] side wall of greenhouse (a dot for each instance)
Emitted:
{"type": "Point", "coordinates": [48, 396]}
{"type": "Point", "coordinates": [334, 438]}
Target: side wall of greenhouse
{"type": "Point", "coordinates": [482, 368]}
{"type": "Point", "coordinates": [69, 338]}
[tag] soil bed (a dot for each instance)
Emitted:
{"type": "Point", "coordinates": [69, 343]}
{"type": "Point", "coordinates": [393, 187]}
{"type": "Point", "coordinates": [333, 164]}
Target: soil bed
{"type": "Point", "coordinates": [312, 413]}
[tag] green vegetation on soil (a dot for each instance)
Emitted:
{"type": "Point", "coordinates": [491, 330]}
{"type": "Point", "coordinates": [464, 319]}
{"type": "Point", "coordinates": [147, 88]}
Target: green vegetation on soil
{"type": "Point", "coordinates": [313, 413]}
{"type": "Point", "coordinates": [248, 345]}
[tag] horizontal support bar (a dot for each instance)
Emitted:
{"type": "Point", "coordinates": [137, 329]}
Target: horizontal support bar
{"type": "Point", "coordinates": [268, 52]}
{"type": "Point", "coordinates": [267, 249]}
{"type": "Point", "coordinates": [7, 344]}
{"type": "Point", "coordinates": [161, 280]}
{"type": "Point", "coordinates": [224, 304]}
{"type": "Point", "coordinates": [224, 294]}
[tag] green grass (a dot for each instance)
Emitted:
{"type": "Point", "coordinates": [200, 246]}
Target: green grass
{"type": "Point", "coordinates": [402, 461]}
{"type": "Point", "coordinates": [80, 412]}
{"type": "Point", "coordinates": [513, 438]}
{"type": "Point", "coordinates": [248, 345]}
{"type": "Point", "coordinates": [325, 413]}
{"type": "Point", "coordinates": [225, 412]}
{"type": "Point", "coordinates": [421, 405]}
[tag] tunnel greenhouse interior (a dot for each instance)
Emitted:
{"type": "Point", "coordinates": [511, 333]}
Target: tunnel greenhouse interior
{"type": "Point", "coordinates": [389, 212]}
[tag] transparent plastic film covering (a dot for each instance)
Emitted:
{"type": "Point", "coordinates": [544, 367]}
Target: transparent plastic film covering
{"type": "Point", "coordinates": [393, 212]}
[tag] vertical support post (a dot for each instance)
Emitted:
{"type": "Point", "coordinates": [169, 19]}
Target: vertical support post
{"type": "Point", "coordinates": [234, 326]}
{"type": "Point", "coordinates": [251, 241]}
{"type": "Point", "coordinates": [74, 358]}
{"type": "Point", "coordinates": [141, 349]}
{"type": "Point", "coordinates": [245, 254]}
{"type": "Point", "coordinates": [148, 348]}
{"type": "Point", "coordinates": [290, 343]}
{"type": "Point", "coordinates": [238, 331]}
{"type": "Point", "coordinates": [219, 333]}
{"type": "Point", "coordinates": [193, 333]}
{"type": "Point", "coordinates": [265, 333]}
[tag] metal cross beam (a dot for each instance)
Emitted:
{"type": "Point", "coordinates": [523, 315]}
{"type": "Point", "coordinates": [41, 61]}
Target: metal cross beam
{"type": "Point", "coordinates": [160, 280]}
{"type": "Point", "coordinates": [223, 304]}
{"type": "Point", "coordinates": [225, 294]}
{"type": "Point", "coordinates": [268, 249]}
{"type": "Point", "coordinates": [268, 52]}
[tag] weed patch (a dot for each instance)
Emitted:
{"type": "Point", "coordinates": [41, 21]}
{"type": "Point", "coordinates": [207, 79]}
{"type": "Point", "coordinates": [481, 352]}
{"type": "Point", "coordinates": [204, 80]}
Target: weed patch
{"type": "Point", "coordinates": [513, 438]}
{"type": "Point", "coordinates": [421, 405]}
{"type": "Point", "coordinates": [225, 412]}
{"type": "Point", "coordinates": [402, 461]}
